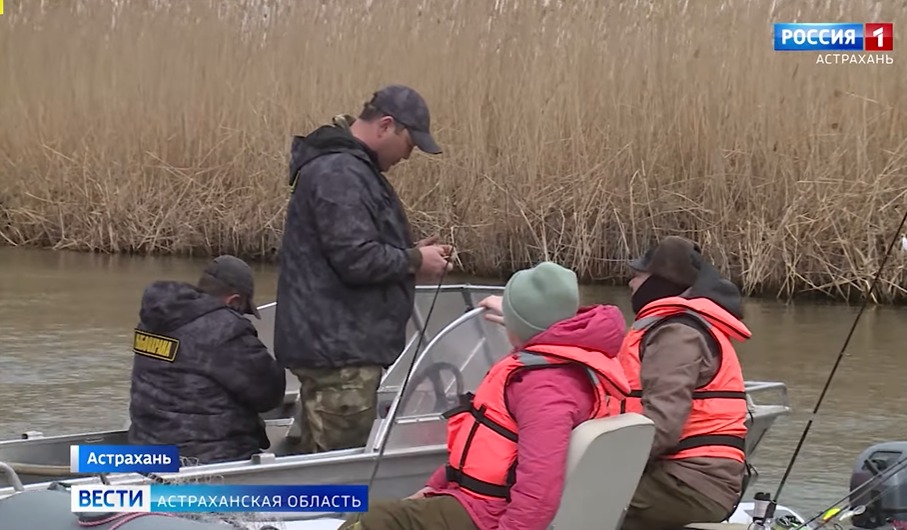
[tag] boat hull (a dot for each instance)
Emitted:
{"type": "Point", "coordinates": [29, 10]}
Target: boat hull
{"type": "Point", "coordinates": [459, 347]}
{"type": "Point", "coordinates": [585, 499]}
{"type": "Point", "coordinates": [404, 467]}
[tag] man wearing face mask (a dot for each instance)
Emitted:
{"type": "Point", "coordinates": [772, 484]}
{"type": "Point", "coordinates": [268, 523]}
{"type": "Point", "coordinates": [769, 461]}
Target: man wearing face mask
{"type": "Point", "coordinates": [686, 378]}
{"type": "Point", "coordinates": [200, 375]}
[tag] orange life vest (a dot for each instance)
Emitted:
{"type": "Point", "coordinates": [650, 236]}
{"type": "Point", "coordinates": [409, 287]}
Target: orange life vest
{"type": "Point", "coordinates": [481, 433]}
{"type": "Point", "coordinates": [716, 426]}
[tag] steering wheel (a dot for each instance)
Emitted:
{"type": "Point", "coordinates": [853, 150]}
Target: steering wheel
{"type": "Point", "coordinates": [433, 374]}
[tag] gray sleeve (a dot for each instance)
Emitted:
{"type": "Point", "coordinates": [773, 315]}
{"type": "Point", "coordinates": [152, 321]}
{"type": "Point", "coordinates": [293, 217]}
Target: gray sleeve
{"type": "Point", "coordinates": [347, 232]}
{"type": "Point", "coordinates": [669, 372]}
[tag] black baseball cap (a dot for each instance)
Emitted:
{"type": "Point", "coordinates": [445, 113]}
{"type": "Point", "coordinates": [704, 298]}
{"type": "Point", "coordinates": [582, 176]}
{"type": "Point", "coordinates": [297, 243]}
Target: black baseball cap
{"type": "Point", "coordinates": [409, 109]}
{"type": "Point", "coordinates": [235, 275]}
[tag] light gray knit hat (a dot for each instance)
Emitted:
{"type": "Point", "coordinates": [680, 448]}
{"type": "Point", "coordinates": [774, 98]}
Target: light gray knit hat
{"type": "Point", "coordinates": [536, 298]}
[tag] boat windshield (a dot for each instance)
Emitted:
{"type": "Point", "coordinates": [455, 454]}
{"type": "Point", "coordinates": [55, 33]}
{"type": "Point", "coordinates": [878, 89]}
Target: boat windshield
{"type": "Point", "coordinates": [452, 303]}
{"type": "Point", "coordinates": [453, 359]}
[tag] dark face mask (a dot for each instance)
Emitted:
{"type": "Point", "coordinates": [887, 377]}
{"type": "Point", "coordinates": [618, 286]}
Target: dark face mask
{"type": "Point", "coordinates": [654, 288]}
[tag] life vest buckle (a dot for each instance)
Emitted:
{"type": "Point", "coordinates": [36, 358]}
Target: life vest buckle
{"type": "Point", "coordinates": [465, 405]}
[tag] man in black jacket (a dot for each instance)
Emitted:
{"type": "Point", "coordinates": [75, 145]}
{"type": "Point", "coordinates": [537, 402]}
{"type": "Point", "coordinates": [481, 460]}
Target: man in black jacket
{"type": "Point", "coordinates": [348, 266]}
{"type": "Point", "coordinates": [200, 375]}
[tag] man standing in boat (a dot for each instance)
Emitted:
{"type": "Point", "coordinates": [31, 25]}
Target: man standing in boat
{"type": "Point", "coordinates": [561, 373]}
{"type": "Point", "coordinates": [348, 266]}
{"type": "Point", "coordinates": [200, 375]}
{"type": "Point", "coordinates": [686, 378]}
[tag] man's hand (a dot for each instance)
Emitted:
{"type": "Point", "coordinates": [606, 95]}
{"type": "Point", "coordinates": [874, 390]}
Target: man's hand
{"type": "Point", "coordinates": [493, 304]}
{"type": "Point", "coordinates": [419, 494]}
{"type": "Point", "coordinates": [435, 261]}
{"type": "Point", "coordinates": [433, 241]}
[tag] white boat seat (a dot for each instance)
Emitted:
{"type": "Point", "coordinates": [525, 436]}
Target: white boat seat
{"type": "Point", "coordinates": [605, 461]}
{"type": "Point", "coordinates": [604, 464]}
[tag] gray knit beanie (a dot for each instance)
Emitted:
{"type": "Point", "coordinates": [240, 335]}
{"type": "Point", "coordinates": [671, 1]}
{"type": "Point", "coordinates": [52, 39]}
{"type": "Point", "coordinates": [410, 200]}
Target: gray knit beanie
{"type": "Point", "coordinates": [536, 298]}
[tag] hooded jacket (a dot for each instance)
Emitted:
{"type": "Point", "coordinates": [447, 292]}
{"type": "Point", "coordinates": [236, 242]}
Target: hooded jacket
{"type": "Point", "coordinates": [346, 289]}
{"type": "Point", "coordinates": [547, 405]}
{"type": "Point", "coordinates": [678, 356]}
{"type": "Point", "coordinates": [206, 398]}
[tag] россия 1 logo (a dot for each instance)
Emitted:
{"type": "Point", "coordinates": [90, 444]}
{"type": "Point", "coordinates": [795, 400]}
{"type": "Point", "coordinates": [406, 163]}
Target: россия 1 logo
{"type": "Point", "coordinates": [838, 37]}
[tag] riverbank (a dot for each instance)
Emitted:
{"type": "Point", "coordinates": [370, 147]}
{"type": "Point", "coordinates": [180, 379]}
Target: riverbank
{"type": "Point", "coordinates": [578, 135]}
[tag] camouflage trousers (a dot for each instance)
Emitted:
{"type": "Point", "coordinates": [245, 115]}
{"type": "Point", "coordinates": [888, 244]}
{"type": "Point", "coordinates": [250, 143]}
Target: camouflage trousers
{"type": "Point", "coordinates": [336, 407]}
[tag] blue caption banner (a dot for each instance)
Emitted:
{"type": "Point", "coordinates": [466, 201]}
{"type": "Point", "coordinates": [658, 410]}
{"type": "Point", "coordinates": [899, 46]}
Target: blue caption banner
{"type": "Point", "coordinates": [124, 458]}
{"type": "Point", "coordinates": [198, 498]}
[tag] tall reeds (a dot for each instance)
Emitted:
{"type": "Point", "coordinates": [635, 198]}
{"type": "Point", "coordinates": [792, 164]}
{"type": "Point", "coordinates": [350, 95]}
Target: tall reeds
{"type": "Point", "coordinates": [578, 132]}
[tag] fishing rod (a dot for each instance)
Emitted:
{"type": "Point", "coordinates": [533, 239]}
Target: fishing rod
{"type": "Point", "coordinates": [844, 514]}
{"type": "Point", "coordinates": [409, 371]}
{"type": "Point", "coordinates": [884, 475]}
{"type": "Point", "coordinates": [863, 507]}
{"type": "Point", "coordinates": [771, 503]}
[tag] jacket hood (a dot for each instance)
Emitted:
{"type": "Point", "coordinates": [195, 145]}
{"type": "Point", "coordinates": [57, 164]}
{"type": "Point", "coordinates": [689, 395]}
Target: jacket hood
{"type": "Point", "coordinates": [599, 328]}
{"type": "Point", "coordinates": [327, 139]}
{"type": "Point", "coordinates": [709, 284]}
{"type": "Point", "coordinates": [169, 305]}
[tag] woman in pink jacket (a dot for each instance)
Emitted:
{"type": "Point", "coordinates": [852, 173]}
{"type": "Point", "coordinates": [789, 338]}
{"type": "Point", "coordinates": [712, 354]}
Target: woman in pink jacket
{"type": "Point", "coordinates": [510, 475]}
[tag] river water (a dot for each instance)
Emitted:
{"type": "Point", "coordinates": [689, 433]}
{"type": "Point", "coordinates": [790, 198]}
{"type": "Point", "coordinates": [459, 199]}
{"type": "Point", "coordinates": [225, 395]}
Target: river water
{"type": "Point", "coordinates": [66, 318]}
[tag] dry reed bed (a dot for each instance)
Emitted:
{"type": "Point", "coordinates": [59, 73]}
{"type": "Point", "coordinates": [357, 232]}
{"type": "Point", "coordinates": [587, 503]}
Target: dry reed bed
{"type": "Point", "coordinates": [577, 134]}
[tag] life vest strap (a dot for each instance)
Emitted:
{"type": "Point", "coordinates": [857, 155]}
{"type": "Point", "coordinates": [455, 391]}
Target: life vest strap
{"type": "Point", "coordinates": [705, 440]}
{"type": "Point", "coordinates": [466, 406]}
{"type": "Point", "coordinates": [479, 486]}
{"type": "Point", "coordinates": [702, 394]}
{"type": "Point", "coordinates": [718, 394]}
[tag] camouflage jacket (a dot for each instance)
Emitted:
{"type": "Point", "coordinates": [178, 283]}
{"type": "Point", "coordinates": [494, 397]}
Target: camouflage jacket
{"type": "Point", "coordinates": [346, 287]}
{"type": "Point", "coordinates": [203, 393]}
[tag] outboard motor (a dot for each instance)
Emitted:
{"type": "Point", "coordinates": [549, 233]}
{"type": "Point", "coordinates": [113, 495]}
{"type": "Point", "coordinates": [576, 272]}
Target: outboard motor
{"type": "Point", "coordinates": [886, 499]}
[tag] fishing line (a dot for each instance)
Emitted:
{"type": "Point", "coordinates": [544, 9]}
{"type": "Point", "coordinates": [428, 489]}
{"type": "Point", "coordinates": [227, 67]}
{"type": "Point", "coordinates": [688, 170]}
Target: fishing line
{"type": "Point", "coordinates": [390, 418]}
{"type": "Point", "coordinates": [834, 369]}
